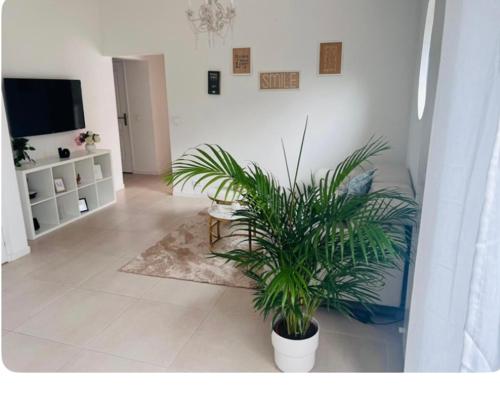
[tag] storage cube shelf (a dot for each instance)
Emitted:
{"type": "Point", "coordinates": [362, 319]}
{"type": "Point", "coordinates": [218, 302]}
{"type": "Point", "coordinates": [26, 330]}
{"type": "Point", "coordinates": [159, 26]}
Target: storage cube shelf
{"type": "Point", "coordinates": [41, 181]}
{"type": "Point", "coordinates": [105, 163]}
{"type": "Point", "coordinates": [53, 210]}
{"type": "Point", "coordinates": [105, 191]}
{"type": "Point", "coordinates": [66, 172]}
{"type": "Point", "coordinates": [46, 214]}
{"type": "Point", "coordinates": [90, 194]}
{"type": "Point", "coordinates": [85, 168]}
{"type": "Point", "coordinates": [67, 207]}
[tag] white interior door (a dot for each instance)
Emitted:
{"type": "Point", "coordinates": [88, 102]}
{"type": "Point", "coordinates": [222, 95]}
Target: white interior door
{"type": "Point", "coordinates": [123, 116]}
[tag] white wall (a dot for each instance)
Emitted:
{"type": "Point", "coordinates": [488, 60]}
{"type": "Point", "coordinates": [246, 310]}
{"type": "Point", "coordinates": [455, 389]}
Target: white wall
{"type": "Point", "coordinates": [371, 96]}
{"type": "Point", "coordinates": [14, 244]}
{"type": "Point", "coordinates": [464, 126]}
{"type": "Point", "coordinates": [60, 39]}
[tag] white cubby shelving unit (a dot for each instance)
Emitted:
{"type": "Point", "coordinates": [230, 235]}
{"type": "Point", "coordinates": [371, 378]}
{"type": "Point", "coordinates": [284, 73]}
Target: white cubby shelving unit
{"type": "Point", "coordinates": [54, 210]}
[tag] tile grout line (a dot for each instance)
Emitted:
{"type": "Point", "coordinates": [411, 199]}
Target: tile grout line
{"type": "Point", "coordinates": [45, 306]}
{"type": "Point", "coordinates": [71, 289]}
{"type": "Point", "coordinates": [83, 349]}
{"type": "Point", "coordinates": [195, 330]}
{"type": "Point", "coordinates": [380, 341]}
{"type": "Point", "coordinates": [30, 273]}
{"type": "Point", "coordinates": [80, 352]}
{"type": "Point", "coordinates": [137, 297]}
{"type": "Point", "coordinates": [76, 285]}
{"type": "Point", "coordinates": [52, 341]}
{"type": "Point", "coordinates": [140, 298]}
{"type": "Point", "coordinates": [134, 301]}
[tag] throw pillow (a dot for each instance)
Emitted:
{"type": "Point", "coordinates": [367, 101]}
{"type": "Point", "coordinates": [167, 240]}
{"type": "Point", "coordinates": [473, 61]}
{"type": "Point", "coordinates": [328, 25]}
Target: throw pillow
{"type": "Point", "coordinates": [359, 185]}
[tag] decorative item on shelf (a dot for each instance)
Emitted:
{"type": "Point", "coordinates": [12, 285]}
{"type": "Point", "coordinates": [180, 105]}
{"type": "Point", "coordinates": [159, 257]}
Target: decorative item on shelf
{"type": "Point", "coordinates": [330, 57]}
{"type": "Point", "coordinates": [241, 61]}
{"type": "Point", "coordinates": [32, 194]}
{"type": "Point", "coordinates": [314, 246]}
{"type": "Point", "coordinates": [78, 179]}
{"type": "Point", "coordinates": [20, 148]}
{"type": "Point", "coordinates": [63, 153]}
{"type": "Point", "coordinates": [97, 172]}
{"type": "Point", "coordinates": [82, 205]}
{"type": "Point", "coordinates": [212, 18]}
{"type": "Point", "coordinates": [89, 138]}
{"type": "Point", "coordinates": [214, 82]}
{"type": "Point", "coordinates": [36, 225]}
{"type": "Point", "coordinates": [59, 185]}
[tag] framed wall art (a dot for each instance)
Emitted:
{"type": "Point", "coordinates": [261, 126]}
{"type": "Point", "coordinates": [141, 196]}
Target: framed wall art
{"type": "Point", "coordinates": [242, 62]}
{"type": "Point", "coordinates": [82, 205]}
{"type": "Point", "coordinates": [59, 185]}
{"type": "Point", "coordinates": [330, 58]}
{"type": "Point", "coordinates": [279, 80]}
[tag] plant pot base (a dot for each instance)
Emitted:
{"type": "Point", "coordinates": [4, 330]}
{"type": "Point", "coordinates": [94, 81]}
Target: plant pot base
{"type": "Point", "coordinates": [295, 355]}
{"type": "Point", "coordinates": [290, 364]}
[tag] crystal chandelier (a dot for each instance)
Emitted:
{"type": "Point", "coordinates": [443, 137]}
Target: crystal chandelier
{"type": "Point", "coordinates": [212, 18]}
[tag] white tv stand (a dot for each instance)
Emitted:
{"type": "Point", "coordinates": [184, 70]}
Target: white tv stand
{"type": "Point", "coordinates": [54, 210]}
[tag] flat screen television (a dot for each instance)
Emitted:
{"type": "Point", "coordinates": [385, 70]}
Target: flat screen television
{"type": "Point", "coordinates": [43, 106]}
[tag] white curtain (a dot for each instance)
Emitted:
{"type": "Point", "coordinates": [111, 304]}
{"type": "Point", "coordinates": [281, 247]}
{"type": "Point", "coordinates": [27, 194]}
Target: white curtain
{"type": "Point", "coordinates": [455, 305]}
{"type": "Point", "coordinates": [482, 329]}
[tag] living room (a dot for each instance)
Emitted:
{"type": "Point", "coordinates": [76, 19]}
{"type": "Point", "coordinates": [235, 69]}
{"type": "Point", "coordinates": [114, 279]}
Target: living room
{"type": "Point", "coordinates": [118, 273]}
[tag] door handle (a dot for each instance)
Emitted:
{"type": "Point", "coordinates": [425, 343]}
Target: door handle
{"type": "Point", "coordinates": [124, 117]}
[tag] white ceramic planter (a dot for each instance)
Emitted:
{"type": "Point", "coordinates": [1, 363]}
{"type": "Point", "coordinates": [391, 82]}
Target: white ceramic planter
{"type": "Point", "coordinates": [90, 148]}
{"type": "Point", "coordinates": [292, 355]}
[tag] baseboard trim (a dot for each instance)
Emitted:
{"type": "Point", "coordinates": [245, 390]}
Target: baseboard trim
{"type": "Point", "coordinates": [146, 173]}
{"type": "Point", "coordinates": [18, 254]}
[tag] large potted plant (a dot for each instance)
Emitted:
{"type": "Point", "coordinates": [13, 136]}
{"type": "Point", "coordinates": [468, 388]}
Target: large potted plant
{"type": "Point", "coordinates": [316, 244]}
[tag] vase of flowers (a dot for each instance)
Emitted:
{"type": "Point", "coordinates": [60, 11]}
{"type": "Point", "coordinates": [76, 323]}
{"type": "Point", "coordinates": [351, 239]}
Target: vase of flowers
{"type": "Point", "coordinates": [89, 138]}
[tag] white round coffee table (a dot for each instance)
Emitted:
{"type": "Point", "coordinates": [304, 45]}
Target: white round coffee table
{"type": "Point", "coordinates": [218, 214]}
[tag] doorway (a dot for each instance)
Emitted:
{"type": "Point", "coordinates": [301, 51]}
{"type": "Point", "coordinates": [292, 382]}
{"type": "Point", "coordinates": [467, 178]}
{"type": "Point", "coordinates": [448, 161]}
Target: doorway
{"type": "Point", "coordinates": [142, 110]}
{"type": "Point", "coordinates": [123, 111]}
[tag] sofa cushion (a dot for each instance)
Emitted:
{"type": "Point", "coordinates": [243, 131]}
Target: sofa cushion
{"type": "Point", "coordinates": [359, 184]}
{"type": "Point", "coordinates": [387, 176]}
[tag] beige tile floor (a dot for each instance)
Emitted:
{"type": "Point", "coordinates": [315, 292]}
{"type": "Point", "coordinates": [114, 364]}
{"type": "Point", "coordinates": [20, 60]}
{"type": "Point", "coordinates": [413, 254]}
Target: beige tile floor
{"type": "Point", "coordinates": [65, 307]}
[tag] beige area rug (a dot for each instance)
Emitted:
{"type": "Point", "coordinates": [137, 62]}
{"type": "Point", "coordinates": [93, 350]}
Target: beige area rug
{"type": "Point", "coordinates": [184, 254]}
